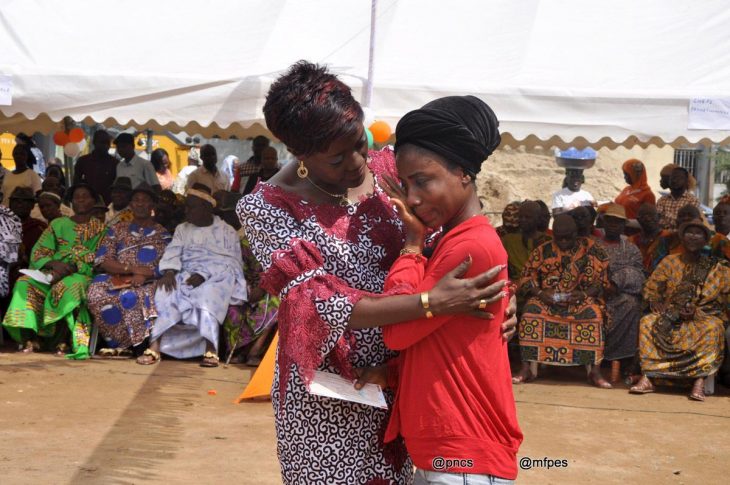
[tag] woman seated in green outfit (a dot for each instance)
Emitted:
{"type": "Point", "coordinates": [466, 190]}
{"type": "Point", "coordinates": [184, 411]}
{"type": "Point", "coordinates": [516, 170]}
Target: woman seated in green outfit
{"type": "Point", "coordinates": [51, 315]}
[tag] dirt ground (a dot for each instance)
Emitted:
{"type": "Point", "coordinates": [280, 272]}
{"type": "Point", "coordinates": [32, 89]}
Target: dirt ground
{"type": "Point", "coordinates": [115, 422]}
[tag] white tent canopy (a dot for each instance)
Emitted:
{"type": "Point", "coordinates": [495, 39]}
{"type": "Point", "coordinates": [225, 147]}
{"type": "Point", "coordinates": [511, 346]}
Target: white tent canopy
{"type": "Point", "coordinates": [617, 71]}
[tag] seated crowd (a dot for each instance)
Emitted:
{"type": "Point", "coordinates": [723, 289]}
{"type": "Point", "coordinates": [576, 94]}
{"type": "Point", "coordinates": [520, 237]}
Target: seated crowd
{"type": "Point", "coordinates": [153, 272]}
{"type": "Point", "coordinates": [631, 282]}
{"type": "Point", "coordinates": [639, 284]}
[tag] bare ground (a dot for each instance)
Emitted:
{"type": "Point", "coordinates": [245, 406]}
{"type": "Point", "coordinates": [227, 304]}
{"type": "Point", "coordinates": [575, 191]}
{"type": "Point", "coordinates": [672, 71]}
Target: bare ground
{"type": "Point", "coordinates": [115, 422]}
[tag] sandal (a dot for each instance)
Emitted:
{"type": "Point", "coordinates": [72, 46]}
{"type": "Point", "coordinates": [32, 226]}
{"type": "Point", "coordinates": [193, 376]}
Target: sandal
{"type": "Point", "coordinates": [106, 353]}
{"type": "Point", "coordinates": [632, 379]}
{"type": "Point", "coordinates": [149, 357]}
{"type": "Point", "coordinates": [61, 350]}
{"type": "Point", "coordinates": [210, 360]}
{"type": "Point", "coordinates": [698, 391]}
{"type": "Point", "coordinates": [522, 378]}
{"type": "Point", "coordinates": [600, 382]}
{"type": "Point", "coordinates": [644, 386]}
{"type": "Point", "coordinates": [30, 347]}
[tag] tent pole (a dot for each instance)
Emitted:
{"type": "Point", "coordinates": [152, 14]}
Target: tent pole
{"type": "Point", "coordinates": [367, 99]}
{"type": "Point", "coordinates": [148, 143]}
{"type": "Point", "coordinates": [69, 163]}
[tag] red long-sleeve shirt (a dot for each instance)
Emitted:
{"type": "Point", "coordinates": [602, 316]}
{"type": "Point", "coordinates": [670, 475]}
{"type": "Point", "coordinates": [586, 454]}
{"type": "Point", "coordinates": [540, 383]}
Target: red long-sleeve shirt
{"type": "Point", "coordinates": [454, 398]}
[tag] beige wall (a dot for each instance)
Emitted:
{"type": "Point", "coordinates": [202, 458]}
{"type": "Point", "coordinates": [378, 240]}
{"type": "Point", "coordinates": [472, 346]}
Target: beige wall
{"type": "Point", "coordinates": [521, 173]}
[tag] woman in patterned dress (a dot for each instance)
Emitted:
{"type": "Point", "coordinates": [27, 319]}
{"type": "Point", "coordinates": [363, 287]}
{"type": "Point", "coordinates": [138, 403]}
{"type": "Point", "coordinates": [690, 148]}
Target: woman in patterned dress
{"type": "Point", "coordinates": [684, 335]}
{"type": "Point", "coordinates": [128, 255]}
{"type": "Point", "coordinates": [326, 236]}
{"type": "Point", "coordinates": [66, 251]}
{"type": "Point", "coordinates": [562, 320]}
{"type": "Point", "coordinates": [253, 321]}
{"type": "Point", "coordinates": [10, 239]}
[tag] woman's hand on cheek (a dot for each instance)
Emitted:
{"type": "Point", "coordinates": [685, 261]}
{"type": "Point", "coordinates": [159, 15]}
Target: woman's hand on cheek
{"type": "Point", "coordinates": [415, 229]}
{"type": "Point", "coordinates": [414, 226]}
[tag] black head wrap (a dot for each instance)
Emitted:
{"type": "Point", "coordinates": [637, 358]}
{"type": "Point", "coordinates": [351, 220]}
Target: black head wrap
{"type": "Point", "coordinates": [462, 129]}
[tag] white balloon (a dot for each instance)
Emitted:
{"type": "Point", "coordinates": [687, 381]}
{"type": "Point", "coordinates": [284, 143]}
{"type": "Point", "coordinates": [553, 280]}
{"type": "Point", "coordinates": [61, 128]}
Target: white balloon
{"type": "Point", "coordinates": [71, 149]}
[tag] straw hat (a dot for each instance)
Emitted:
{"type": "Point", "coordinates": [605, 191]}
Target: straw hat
{"type": "Point", "coordinates": [613, 210]}
{"type": "Point", "coordinates": [695, 223]}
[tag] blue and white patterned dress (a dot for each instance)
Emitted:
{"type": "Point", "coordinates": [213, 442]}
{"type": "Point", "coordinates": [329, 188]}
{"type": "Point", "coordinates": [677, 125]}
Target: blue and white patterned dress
{"type": "Point", "coordinates": [125, 317]}
{"type": "Point", "coordinates": [321, 259]}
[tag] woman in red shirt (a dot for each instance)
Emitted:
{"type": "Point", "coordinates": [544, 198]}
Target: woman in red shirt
{"type": "Point", "coordinates": [454, 404]}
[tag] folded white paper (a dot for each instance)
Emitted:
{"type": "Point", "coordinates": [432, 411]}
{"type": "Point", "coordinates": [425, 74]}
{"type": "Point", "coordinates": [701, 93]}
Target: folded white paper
{"type": "Point", "coordinates": [335, 386]}
{"type": "Point", "coordinates": [39, 276]}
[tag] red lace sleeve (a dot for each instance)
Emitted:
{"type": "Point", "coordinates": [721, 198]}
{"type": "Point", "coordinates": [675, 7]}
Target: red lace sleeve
{"type": "Point", "coordinates": [314, 312]}
{"type": "Point", "coordinates": [288, 236]}
{"type": "Point", "coordinates": [315, 305]}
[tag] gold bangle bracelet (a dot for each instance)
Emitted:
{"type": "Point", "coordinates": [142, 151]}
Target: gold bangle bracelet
{"type": "Point", "coordinates": [409, 251]}
{"type": "Point", "coordinates": [425, 304]}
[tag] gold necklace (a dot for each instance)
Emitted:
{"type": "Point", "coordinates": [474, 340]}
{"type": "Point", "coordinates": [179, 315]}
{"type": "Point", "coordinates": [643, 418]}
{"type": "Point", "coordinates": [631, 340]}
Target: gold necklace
{"type": "Point", "coordinates": [344, 201]}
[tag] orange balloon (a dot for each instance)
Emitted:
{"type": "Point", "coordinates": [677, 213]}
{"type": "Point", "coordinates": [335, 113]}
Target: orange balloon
{"type": "Point", "coordinates": [381, 131]}
{"type": "Point", "coordinates": [76, 135]}
{"type": "Point", "coordinates": [60, 138]}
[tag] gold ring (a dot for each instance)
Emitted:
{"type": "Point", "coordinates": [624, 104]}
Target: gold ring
{"type": "Point", "coordinates": [482, 304]}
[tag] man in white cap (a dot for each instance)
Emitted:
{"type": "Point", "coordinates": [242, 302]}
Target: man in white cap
{"type": "Point", "coordinates": [202, 276]}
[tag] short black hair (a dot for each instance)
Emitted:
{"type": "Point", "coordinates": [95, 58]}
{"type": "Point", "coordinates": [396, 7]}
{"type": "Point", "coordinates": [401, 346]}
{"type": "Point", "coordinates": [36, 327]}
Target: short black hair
{"type": "Point", "coordinates": [683, 170]}
{"type": "Point", "coordinates": [308, 108]}
{"type": "Point", "coordinates": [156, 158]}
{"type": "Point", "coordinates": [689, 209]}
{"type": "Point", "coordinates": [81, 185]}
{"type": "Point", "coordinates": [124, 138]}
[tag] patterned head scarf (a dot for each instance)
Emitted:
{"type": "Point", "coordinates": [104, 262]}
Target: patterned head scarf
{"type": "Point", "coordinates": [510, 214]}
{"type": "Point", "coordinates": [462, 129]}
{"type": "Point", "coordinates": [637, 173]}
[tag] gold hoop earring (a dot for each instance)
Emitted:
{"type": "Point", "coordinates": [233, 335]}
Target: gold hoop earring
{"type": "Point", "coordinates": [302, 171]}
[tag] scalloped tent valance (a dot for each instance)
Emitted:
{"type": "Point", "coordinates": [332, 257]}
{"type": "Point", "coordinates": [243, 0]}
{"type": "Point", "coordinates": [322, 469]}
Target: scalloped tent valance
{"type": "Point", "coordinates": [556, 72]}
